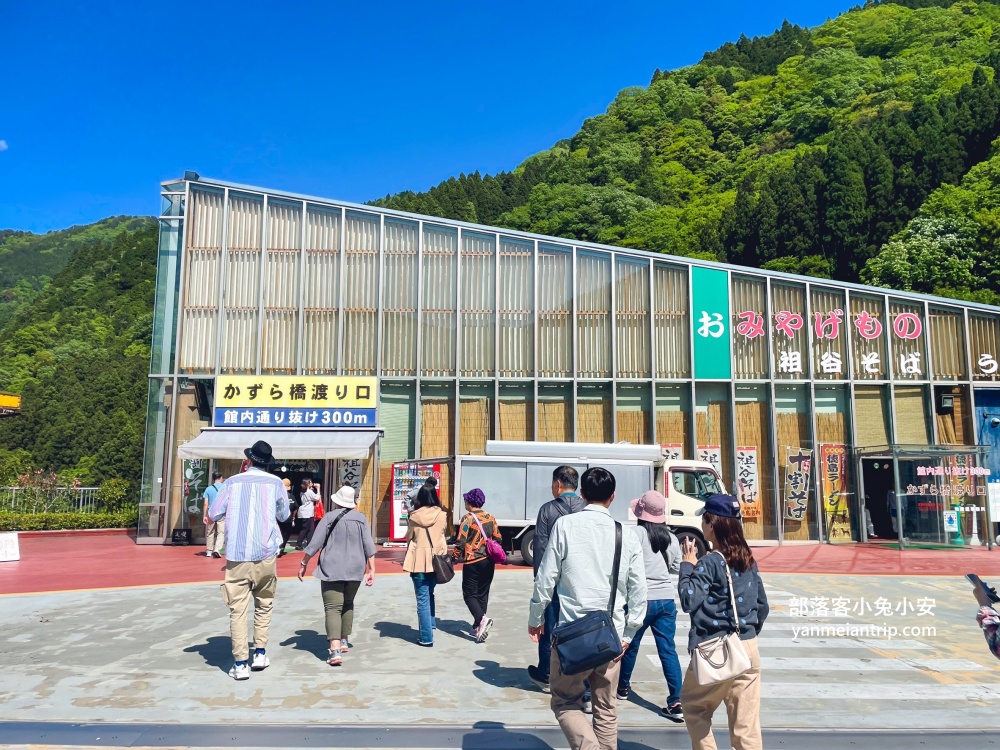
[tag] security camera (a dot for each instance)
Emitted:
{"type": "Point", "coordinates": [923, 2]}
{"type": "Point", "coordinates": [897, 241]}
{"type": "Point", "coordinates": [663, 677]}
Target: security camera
{"type": "Point", "coordinates": [995, 422]}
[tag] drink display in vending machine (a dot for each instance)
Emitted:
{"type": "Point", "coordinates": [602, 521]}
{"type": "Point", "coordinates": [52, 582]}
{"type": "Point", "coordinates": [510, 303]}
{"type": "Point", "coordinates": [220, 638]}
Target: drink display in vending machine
{"type": "Point", "coordinates": [406, 478]}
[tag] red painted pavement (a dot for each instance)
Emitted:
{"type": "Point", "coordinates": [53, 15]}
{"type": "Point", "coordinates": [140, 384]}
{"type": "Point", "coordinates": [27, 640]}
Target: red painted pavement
{"type": "Point", "coordinates": [72, 562]}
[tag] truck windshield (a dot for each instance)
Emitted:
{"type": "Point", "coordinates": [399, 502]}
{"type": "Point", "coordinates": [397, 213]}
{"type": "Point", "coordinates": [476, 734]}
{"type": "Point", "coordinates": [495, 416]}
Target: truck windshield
{"type": "Point", "coordinates": [696, 483]}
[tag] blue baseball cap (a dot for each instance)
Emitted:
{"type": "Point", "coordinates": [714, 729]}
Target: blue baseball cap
{"type": "Point", "coordinates": [726, 506]}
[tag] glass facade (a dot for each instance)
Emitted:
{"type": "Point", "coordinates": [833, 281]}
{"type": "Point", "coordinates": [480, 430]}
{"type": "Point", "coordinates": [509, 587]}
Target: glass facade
{"type": "Point", "coordinates": [478, 334]}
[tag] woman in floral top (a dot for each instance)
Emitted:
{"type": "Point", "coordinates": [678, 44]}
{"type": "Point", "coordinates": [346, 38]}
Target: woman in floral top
{"type": "Point", "coordinates": [477, 568]}
{"type": "Point", "coordinates": [989, 620]}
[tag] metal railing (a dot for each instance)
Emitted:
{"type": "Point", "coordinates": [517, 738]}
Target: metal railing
{"type": "Point", "coordinates": [63, 499]}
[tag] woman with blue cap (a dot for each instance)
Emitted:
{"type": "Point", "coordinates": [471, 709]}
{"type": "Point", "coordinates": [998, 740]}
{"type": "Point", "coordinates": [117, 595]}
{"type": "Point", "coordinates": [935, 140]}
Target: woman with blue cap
{"type": "Point", "coordinates": [477, 530]}
{"type": "Point", "coordinates": [724, 595]}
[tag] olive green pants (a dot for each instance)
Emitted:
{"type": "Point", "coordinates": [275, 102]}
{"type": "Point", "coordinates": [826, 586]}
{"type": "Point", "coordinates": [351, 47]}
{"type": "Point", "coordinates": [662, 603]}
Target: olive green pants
{"type": "Point", "coordinates": [338, 601]}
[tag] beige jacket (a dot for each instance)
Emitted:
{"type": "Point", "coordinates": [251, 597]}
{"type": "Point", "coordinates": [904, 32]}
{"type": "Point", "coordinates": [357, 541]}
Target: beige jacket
{"type": "Point", "coordinates": [418, 549]}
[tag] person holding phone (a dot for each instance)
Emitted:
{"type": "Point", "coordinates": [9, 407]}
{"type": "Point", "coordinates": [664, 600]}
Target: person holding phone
{"type": "Point", "coordinates": [987, 615]}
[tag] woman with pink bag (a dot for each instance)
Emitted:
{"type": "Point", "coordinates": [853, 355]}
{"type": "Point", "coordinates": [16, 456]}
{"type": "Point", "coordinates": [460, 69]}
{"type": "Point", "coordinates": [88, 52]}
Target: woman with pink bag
{"type": "Point", "coordinates": [477, 548]}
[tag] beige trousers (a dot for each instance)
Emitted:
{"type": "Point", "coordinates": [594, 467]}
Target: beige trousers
{"type": "Point", "coordinates": [742, 698]}
{"type": "Point", "coordinates": [246, 581]}
{"type": "Point", "coordinates": [567, 704]}
{"type": "Point", "coordinates": [215, 536]}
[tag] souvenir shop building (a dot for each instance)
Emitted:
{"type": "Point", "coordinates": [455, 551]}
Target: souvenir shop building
{"type": "Point", "coordinates": [818, 402]}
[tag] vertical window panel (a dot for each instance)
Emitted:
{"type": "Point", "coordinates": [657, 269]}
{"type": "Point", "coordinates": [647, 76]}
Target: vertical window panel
{"type": "Point", "coordinates": [555, 311]}
{"type": "Point", "coordinates": [829, 326]}
{"type": "Point", "coordinates": [555, 412]}
{"type": "Point", "coordinates": [593, 315]}
{"type": "Point", "coordinates": [908, 337]}
{"type": "Point", "coordinates": [517, 412]}
{"type": "Point", "coordinates": [792, 409]}
{"type": "Point", "coordinates": [361, 294]}
{"type": "Point", "coordinates": [475, 417]}
{"type": "Point", "coordinates": [201, 283]}
{"type": "Point", "coordinates": [789, 332]}
{"type": "Point", "coordinates": [322, 292]}
{"type": "Point", "coordinates": [673, 418]}
{"type": "Point", "coordinates": [633, 414]}
{"type": "Point", "coordinates": [593, 413]}
{"type": "Point", "coordinates": [632, 318]}
{"type": "Point", "coordinates": [868, 338]}
{"type": "Point", "coordinates": [871, 415]}
{"type": "Point", "coordinates": [437, 420]}
{"type": "Point", "coordinates": [399, 298]}
{"type": "Point", "coordinates": [912, 418]}
{"type": "Point", "coordinates": [440, 284]}
{"type": "Point", "coordinates": [713, 426]}
{"type": "Point", "coordinates": [281, 288]}
{"type": "Point", "coordinates": [984, 332]}
{"type": "Point", "coordinates": [516, 317]}
{"type": "Point", "coordinates": [953, 413]}
{"type": "Point", "coordinates": [948, 344]}
{"type": "Point", "coordinates": [478, 302]}
{"type": "Point", "coordinates": [242, 296]}
{"type": "Point", "coordinates": [750, 328]}
{"type": "Point", "coordinates": [840, 512]}
{"type": "Point", "coordinates": [753, 433]}
{"type": "Point", "coordinates": [672, 322]}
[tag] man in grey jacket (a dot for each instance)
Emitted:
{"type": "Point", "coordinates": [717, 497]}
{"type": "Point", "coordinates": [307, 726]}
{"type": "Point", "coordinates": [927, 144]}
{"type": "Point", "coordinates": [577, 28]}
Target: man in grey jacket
{"type": "Point", "coordinates": [565, 480]}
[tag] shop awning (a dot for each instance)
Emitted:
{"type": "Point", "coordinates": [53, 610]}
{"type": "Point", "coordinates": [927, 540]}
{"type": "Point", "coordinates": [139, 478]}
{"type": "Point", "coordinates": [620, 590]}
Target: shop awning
{"type": "Point", "coordinates": [286, 444]}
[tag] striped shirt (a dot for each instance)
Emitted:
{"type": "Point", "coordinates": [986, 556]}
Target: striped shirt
{"type": "Point", "coordinates": [252, 504]}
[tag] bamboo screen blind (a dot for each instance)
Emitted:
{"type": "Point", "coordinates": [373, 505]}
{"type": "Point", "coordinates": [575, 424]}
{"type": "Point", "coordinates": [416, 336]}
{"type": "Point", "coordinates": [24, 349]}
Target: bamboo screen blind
{"type": "Point", "coordinates": [439, 282]}
{"type": "Point", "coordinates": [910, 359]}
{"type": "Point", "coordinates": [515, 319]}
{"type": "Point", "coordinates": [713, 427]}
{"type": "Point", "coordinates": [985, 335]}
{"type": "Point", "coordinates": [555, 311]}
{"type": "Point", "coordinates": [632, 304]}
{"type": "Point", "coordinates": [869, 356]}
{"type": "Point", "coordinates": [242, 294]}
{"type": "Point", "coordinates": [437, 423]}
{"type": "Point", "coordinates": [671, 321]}
{"type": "Point", "coordinates": [555, 414]}
{"type": "Point", "coordinates": [594, 415]}
{"type": "Point", "coordinates": [912, 418]}
{"type": "Point", "coordinates": [753, 429]}
{"type": "Point", "coordinates": [593, 314]}
{"type": "Point", "coordinates": [361, 252]}
{"type": "Point", "coordinates": [517, 412]}
{"type": "Point", "coordinates": [201, 285]}
{"type": "Point", "coordinates": [399, 298]}
{"type": "Point", "coordinates": [793, 432]}
{"type": "Point", "coordinates": [750, 352]}
{"type": "Point", "coordinates": [954, 427]}
{"type": "Point", "coordinates": [948, 344]}
{"type": "Point", "coordinates": [322, 292]}
{"type": "Point", "coordinates": [478, 304]}
{"type": "Point", "coordinates": [476, 418]}
{"type": "Point", "coordinates": [634, 414]}
{"type": "Point", "coordinates": [829, 354]}
{"type": "Point", "coordinates": [279, 348]}
{"type": "Point", "coordinates": [871, 414]}
{"type": "Point", "coordinates": [791, 353]}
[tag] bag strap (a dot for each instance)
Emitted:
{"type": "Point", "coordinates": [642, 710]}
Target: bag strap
{"type": "Point", "coordinates": [430, 541]}
{"type": "Point", "coordinates": [614, 575]}
{"type": "Point", "coordinates": [329, 533]}
{"type": "Point", "coordinates": [480, 525]}
{"type": "Point", "coordinates": [732, 595]}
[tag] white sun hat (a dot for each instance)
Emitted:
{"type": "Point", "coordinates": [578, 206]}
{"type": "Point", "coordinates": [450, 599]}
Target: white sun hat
{"type": "Point", "coordinates": [344, 497]}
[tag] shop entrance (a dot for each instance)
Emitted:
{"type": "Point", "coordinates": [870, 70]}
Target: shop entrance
{"type": "Point", "coordinates": [879, 482]}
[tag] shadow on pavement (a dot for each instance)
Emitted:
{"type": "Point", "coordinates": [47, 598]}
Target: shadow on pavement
{"type": "Point", "coordinates": [397, 630]}
{"type": "Point", "coordinates": [492, 673]}
{"type": "Point", "coordinates": [458, 628]}
{"type": "Point", "coordinates": [643, 703]}
{"type": "Point", "coordinates": [217, 651]}
{"type": "Point", "coordinates": [493, 734]}
{"type": "Point", "coordinates": [309, 641]}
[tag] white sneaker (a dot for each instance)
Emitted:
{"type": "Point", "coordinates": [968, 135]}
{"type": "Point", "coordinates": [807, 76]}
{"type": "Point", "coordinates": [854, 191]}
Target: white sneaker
{"type": "Point", "coordinates": [260, 662]}
{"type": "Point", "coordinates": [239, 672]}
{"type": "Point", "coordinates": [484, 629]}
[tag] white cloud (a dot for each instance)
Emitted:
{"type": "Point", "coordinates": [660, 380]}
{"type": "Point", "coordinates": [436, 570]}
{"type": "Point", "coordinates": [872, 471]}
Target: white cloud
{"type": "Point", "coordinates": [3, 145]}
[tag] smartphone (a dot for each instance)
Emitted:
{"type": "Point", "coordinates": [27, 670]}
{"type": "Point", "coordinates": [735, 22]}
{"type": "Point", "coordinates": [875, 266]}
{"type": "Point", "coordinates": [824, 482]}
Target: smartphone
{"type": "Point", "coordinates": [975, 580]}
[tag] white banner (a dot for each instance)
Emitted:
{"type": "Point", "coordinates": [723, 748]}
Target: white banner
{"type": "Point", "coordinates": [711, 454]}
{"type": "Point", "coordinates": [747, 482]}
{"type": "Point", "coordinates": [9, 549]}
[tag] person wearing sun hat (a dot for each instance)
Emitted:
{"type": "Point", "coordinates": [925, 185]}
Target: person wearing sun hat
{"type": "Point", "coordinates": [253, 504]}
{"type": "Point", "coordinates": [343, 541]}
{"type": "Point", "coordinates": [661, 554]}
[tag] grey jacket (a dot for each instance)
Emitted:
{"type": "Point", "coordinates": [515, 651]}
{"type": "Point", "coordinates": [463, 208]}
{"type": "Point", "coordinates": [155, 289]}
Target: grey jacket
{"type": "Point", "coordinates": [350, 546]}
{"type": "Point", "coordinates": [704, 594]}
{"type": "Point", "coordinates": [659, 583]}
{"type": "Point", "coordinates": [548, 514]}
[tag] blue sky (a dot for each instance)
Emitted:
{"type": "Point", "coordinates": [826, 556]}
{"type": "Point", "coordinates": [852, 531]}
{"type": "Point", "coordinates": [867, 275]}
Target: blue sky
{"type": "Point", "coordinates": [103, 101]}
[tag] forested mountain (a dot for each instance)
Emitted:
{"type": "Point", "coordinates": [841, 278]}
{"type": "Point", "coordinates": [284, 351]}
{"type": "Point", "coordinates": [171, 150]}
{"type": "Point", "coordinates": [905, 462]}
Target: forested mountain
{"type": "Point", "coordinates": [76, 347]}
{"type": "Point", "coordinates": [804, 151]}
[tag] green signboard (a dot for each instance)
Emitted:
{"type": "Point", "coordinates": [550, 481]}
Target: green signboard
{"type": "Point", "coordinates": [710, 316]}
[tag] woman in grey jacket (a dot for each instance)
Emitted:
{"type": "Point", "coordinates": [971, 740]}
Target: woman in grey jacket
{"type": "Point", "coordinates": [343, 540]}
{"type": "Point", "coordinates": [704, 593]}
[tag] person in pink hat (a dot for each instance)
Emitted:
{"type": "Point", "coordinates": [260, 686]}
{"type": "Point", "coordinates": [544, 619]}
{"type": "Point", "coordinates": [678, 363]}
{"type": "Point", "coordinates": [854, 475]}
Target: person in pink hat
{"type": "Point", "coordinates": [661, 553]}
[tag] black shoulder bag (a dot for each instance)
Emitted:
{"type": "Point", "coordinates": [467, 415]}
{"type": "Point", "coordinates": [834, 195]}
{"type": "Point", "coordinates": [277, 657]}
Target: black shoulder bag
{"type": "Point", "coordinates": [592, 641]}
{"type": "Point", "coordinates": [329, 533]}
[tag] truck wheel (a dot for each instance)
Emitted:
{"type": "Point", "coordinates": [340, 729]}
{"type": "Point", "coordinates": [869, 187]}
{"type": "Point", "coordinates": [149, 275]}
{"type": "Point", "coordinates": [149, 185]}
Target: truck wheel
{"type": "Point", "coordinates": [528, 547]}
{"type": "Point", "coordinates": [699, 544]}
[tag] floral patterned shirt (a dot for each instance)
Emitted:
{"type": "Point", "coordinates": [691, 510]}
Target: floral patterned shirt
{"type": "Point", "coordinates": [989, 620]}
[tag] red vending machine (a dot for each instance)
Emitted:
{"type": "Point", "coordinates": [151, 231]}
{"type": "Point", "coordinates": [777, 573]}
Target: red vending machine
{"type": "Point", "coordinates": [405, 478]}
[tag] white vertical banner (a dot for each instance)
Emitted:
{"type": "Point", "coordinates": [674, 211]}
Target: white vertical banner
{"type": "Point", "coordinates": [350, 473]}
{"type": "Point", "coordinates": [747, 482]}
{"type": "Point", "coordinates": [711, 454]}
{"type": "Point", "coordinates": [9, 549]}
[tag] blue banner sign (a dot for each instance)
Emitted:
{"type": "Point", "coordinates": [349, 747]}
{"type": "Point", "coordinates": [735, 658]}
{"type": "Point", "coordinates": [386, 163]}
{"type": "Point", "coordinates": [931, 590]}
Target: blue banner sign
{"type": "Point", "coordinates": [295, 418]}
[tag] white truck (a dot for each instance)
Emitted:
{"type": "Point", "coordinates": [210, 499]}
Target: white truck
{"type": "Point", "coordinates": [517, 479]}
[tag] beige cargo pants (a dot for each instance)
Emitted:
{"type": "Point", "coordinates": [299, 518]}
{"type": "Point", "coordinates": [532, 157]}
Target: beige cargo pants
{"type": "Point", "coordinates": [246, 581]}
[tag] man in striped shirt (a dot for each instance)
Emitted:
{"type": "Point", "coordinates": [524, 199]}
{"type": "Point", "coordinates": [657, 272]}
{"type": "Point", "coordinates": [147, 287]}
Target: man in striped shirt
{"type": "Point", "coordinates": [252, 503]}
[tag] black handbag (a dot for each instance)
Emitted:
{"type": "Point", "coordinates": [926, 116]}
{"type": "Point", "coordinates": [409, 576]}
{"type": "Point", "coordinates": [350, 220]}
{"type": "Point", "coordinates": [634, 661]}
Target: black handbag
{"type": "Point", "coordinates": [444, 565]}
{"type": "Point", "coordinates": [592, 641]}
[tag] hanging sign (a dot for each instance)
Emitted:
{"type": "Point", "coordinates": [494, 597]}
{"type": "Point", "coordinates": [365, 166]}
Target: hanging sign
{"type": "Point", "coordinates": [833, 466]}
{"type": "Point", "coordinates": [195, 481]}
{"type": "Point", "coordinates": [710, 309]}
{"type": "Point", "coordinates": [798, 471]}
{"type": "Point", "coordinates": [711, 454]}
{"type": "Point", "coordinates": [296, 402]}
{"type": "Point", "coordinates": [672, 452]}
{"type": "Point", "coordinates": [747, 485]}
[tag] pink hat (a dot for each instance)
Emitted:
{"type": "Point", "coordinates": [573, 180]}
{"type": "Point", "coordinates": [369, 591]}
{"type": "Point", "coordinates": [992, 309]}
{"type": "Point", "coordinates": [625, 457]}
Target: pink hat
{"type": "Point", "coordinates": [652, 507]}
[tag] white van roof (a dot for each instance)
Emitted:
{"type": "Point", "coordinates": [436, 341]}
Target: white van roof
{"type": "Point", "coordinates": [577, 451]}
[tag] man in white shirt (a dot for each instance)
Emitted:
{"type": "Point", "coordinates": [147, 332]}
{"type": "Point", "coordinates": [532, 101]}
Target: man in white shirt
{"type": "Point", "coordinates": [577, 566]}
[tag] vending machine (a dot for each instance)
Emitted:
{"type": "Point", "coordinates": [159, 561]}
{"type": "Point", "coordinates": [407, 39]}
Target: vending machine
{"type": "Point", "coordinates": [407, 477]}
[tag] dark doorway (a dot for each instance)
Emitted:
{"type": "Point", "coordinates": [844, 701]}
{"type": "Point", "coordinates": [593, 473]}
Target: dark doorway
{"type": "Point", "coordinates": [879, 482]}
